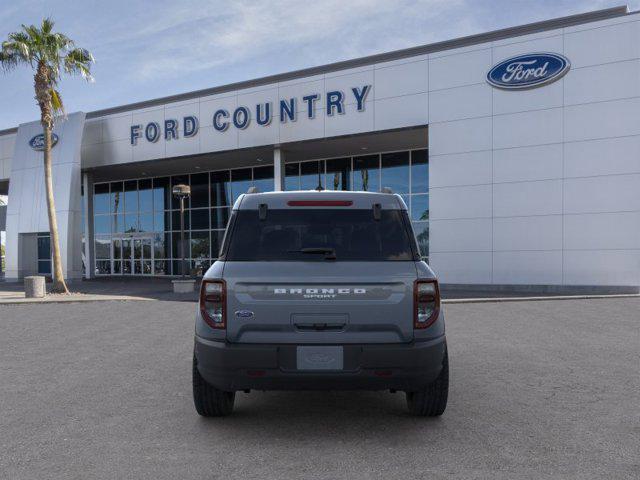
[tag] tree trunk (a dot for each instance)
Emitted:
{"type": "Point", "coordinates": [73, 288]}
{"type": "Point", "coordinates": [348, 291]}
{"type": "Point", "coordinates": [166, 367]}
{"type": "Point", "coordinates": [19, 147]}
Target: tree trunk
{"type": "Point", "coordinates": [42, 85]}
{"type": "Point", "coordinates": [59, 285]}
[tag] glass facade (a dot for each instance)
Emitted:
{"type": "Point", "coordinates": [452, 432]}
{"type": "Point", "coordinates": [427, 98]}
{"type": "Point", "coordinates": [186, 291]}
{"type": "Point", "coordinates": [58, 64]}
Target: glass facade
{"type": "Point", "coordinates": [137, 222]}
{"type": "Point", "coordinates": [405, 172]}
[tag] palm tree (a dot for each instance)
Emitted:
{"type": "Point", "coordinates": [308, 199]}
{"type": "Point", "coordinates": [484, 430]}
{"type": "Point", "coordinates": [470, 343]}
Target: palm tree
{"type": "Point", "coordinates": [48, 54]}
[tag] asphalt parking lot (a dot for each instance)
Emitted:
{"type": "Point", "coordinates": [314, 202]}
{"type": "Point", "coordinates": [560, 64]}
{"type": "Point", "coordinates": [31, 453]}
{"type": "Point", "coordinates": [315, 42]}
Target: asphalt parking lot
{"type": "Point", "coordinates": [546, 389]}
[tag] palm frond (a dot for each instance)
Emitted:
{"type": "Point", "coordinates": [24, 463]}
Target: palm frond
{"type": "Point", "coordinates": [78, 61]}
{"type": "Point", "coordinates": [56, 101]}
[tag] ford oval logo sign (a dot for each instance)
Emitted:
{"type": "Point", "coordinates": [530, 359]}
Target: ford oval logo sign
{"type": "Point", "coordinates": [37, 142]}
{"type": "Point", "coordinates": [244, 314]}
{"type": "Point", "coordinates": [528, 71]}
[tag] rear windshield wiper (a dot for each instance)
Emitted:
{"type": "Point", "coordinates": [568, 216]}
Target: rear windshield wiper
{"type": "Point", "coordinates": [329, 253]}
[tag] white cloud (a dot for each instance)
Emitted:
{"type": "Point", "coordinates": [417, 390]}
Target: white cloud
{"type": "Point", "coordinates": [202, 35]}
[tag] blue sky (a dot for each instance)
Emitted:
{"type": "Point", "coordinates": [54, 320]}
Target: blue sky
{"type": "Point", "coordinates": [149, 49]}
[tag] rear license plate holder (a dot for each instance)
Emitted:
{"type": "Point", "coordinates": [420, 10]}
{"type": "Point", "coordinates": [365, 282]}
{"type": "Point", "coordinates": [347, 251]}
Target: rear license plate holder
{"type": "Point", "coordinates": [320, 358]}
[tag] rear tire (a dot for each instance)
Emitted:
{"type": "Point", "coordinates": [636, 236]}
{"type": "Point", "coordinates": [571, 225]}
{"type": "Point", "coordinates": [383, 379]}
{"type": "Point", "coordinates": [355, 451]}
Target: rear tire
{"type": "Point", "coordinates": [208, 400]}
{"type": "Point", "coordinates": [432, 401]}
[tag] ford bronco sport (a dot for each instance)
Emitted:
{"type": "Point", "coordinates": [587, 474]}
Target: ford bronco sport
{"type": "Point", "coordinates": [320, 290]}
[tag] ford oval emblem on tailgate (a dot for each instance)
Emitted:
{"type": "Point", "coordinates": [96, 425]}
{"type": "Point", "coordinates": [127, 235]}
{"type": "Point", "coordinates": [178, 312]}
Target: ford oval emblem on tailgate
{"type": "Point", "coordinates": [244, 314]}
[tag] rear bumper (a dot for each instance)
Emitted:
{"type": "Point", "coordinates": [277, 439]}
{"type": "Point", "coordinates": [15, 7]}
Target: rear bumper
{"type": "Point", "coordinates": [232, 367]}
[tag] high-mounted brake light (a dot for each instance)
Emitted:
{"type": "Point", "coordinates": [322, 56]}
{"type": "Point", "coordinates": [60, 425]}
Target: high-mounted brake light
{"type": "Point", "coordinates": [319, 203]}
{"type": "Point", "coordinates": [426, 303]}
{"type": "Point", "coordinates": [213, 299]}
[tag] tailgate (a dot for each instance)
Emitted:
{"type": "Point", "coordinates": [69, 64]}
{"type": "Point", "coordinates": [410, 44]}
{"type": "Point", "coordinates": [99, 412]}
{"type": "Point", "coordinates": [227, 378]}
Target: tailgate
{"type": "Point", "coordinates": [320, 302]}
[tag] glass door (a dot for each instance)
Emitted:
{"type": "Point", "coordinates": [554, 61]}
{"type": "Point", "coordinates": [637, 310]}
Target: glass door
{"type": "Point", "coordinates": [132, 255]}
{"type": "Point", "coordinates": [142, 256]}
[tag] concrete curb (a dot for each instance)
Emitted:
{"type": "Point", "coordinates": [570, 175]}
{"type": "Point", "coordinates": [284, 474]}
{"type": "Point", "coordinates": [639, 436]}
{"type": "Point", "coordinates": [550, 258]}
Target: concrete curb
{"type": "Point", "coordinates": [73, 299]}
{"type": "Point", "coordinates": [537, 299]}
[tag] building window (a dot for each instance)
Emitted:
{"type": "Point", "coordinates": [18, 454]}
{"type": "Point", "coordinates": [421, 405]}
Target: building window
{"type": "Point", "coordinates": [44, 253]}
{"type": "Point", "coordinates": [137, 222]}
{"type": "Point", "coordinates": [405, 172]}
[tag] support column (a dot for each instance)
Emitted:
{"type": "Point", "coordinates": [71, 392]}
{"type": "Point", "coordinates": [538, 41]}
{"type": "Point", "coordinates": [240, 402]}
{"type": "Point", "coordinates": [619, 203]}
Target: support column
{"type": "Point", "coordinates": [278, 170]}
{"type": "Point", "coordinates": [87, 205]}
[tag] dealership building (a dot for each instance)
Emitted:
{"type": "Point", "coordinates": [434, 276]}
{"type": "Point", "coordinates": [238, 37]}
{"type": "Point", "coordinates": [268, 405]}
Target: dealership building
{"type": "Point", "coordinates": [516, 151]}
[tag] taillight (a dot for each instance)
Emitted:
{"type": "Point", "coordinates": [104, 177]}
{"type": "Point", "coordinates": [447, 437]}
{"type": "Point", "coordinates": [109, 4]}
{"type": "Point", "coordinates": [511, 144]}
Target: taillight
{"type": "Point", "coordinates": [426, 295]}
{"type": "Point", "coordinates": [213, 296]}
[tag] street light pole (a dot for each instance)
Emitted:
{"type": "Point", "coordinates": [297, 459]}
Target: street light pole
{"type": "Point", "coordinates": [182, 192]}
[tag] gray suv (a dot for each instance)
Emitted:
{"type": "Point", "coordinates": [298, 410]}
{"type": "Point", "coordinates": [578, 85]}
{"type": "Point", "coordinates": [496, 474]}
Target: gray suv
{"type": "Point", "coordinates": [320, 290]}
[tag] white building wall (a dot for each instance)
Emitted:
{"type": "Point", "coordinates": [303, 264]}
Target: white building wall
{"type": "Point", "coordinates": [27, 208]}
{"type": "Point", "coordinates": [539, 186]}
{"type": "Point", "coordinates": [7, 143]}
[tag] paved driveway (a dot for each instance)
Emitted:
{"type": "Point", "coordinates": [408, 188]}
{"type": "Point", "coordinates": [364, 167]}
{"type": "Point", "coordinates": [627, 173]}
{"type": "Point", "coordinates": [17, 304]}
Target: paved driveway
{"type": "Point", "coordinates": [545, 389]}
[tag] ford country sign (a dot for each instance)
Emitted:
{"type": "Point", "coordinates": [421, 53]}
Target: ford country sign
{"type": "Point", "coordinates": [37, 142]}
{"type": "Point", "coordinates": [528, 71]}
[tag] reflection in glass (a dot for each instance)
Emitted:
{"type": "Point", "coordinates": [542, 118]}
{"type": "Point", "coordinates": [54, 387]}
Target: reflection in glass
{"type": "Point", "coordinates": [175, 245]}
{"type": "Point", "coordinates": [420, 171]}
{"type": "Point", "coordinates": [117, 248]}
{"type": "Point", "coordinates": [44, 247]}
{"type": "Point", "coordinates": [145, 222]}
{"type": "Point", "coordinates": [240, 181]}
{"type": "Point", "coordinates": [263, 178]}
{"type": "Point", "coordinates": [103, 247]}
{"type": "Point", "coordinates": [395, 171]}
{"type": "Point", "coordinates": [146, 267]}
{"type": "Point", "coordinates": [292, 176]}
{"type": "Point", "coordinates": [420, 207]}
{"type": "Point", "coordinates": [175, 220]}
{"type": "Point", "coordinates": [126, 267]}
{"type": "Point", "coordinates": [146, 248]}
{"type": "Point", "coordinates": [219, 218]}
{"type": "Point", "coordinates": [101, 198]}
{"type": "Point", "coordinates": [339, 174]}
{"type": "Point", "coordinates": [137, 249]}
{"type": "Point", "coordinates": [44, 267]}
{"type": "Point", "coordinates": [117, 268]}
{"type": "Point", "coordinates": [199, 219]}
{"type": "Point", "coordinates": [161, 194]}
{"type": "Point", "coordinates": [422, 236]}
{"type": "Point", "coordinates": [220, 189]}
{"type": "Point", "coordinates": [103, 267]}
{"type": "Point", "coordinates": [159, 221]}
{"type": "Point", "coordinates": [311, 175]}
{"type": "Point", "coordinates": [216, 242]}
{"type": "Point", "coordinates": [200, 245]}
{"type": "Point", "coordinates": [116, 197]}
{"type": "Point", "coordinates": [160, 267]}
{"type": "Point", "coordinates": [126, 249]}
{"type": "Point", "coordinates": [101, 224]}
{"type": "Point", "coordinates": [200, 190]}
{"type": "Point", "coordinates": [117, 223]}
{"type": "Point", "coordinates": [130, 223]}
{"type": "Point", "coordinates": [130, 196]}
{"type": "Point", "coordinates": [366, 173]}
{"type": "Point", "coordinates": [145, 195]}
{"type": "Point", "coordinates": [160, 241]}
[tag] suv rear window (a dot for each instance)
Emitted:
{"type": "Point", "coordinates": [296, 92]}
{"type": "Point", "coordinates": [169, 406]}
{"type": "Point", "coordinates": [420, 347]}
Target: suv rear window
{"type": "Point", "coordinates": [319, 234]}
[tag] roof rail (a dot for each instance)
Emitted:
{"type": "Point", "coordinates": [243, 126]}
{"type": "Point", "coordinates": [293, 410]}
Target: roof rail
{"type": "Point", "coordinates": [386, 190]}
{"type": "Point", "coordinates": [253, 189]}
